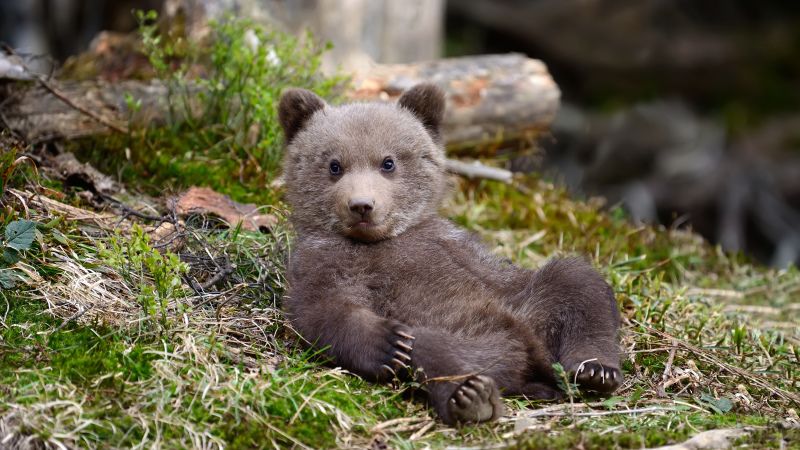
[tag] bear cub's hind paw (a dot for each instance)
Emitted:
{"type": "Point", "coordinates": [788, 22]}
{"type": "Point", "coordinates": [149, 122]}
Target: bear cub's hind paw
{"type": "Point", "coordinates": [597, 377]}
{"type": "Point", "coordinates": [476, 400]}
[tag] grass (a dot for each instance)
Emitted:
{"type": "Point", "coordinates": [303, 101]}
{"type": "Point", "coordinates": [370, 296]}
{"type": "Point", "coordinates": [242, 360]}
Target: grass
{"type": "Point", "coordinates": [119, 336]}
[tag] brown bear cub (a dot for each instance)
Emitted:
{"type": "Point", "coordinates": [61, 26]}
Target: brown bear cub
{"type": "Point", "coordinates": [389, 289]}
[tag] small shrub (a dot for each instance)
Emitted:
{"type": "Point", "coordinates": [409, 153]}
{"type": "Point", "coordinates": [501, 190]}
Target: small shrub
{"type": "Point", "coordinates": [156, 275]}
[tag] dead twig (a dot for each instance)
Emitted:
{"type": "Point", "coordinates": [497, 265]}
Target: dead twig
{"type": "Point", "coordinates": [219, 276]}
{"type": "Point", "coordinates": [128, 211]}
{"type": "Point", "coordinates": [71, 212]}
{"type": "Point", "coordinates": [672, 381]}
{"type": "Point", "coordinates": [400, 421]}
{"type": "Point", "coordinates": [61, 96]}
{"type": "Point", "coordinates": [198, 290]}
{"type": "Point", "coordinates": [64, 98]}
{"type": "Point", "coordinates": [478, 170]}
{"type": "Point", "coordinates": [662, 388]}
{"type": "Point", "coordinates": [421, 432]}
{"type": "Point", "coordinates": [5, 314]}
{"type": "Point", "coordinates": [72, 318]}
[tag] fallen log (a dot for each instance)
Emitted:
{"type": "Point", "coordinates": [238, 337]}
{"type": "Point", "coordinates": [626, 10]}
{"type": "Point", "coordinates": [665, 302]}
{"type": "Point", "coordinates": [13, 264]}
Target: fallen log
{"type": "Point", "coordinates": [37, 115]}
{"type": "Point", "coordinates": [491, 100]}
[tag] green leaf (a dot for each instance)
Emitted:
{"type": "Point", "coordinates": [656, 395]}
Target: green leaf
{"type": "Point", "coordinates": [20, 234]}
{"type": "Point", "coordinates": [52, 224]}
{"type": "Point", "coordinates": [724, 404]}
{"type": "Point", "coordinates": [59, 236]}
{"type": "Point", "coordinates": [10, 256]}
{"type": "Point", "coordinates": [8, 278]}
{"type": "Point", "coordinates": [636, 395]}
{"type": "Point", "coordinates": [718, 405]}
{"type": "Point", "coordinates": [610, 402]}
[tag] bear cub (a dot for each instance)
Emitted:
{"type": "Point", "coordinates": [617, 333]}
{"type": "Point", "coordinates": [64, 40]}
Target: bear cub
{"type": "Point", "coordinates": [388, 288]}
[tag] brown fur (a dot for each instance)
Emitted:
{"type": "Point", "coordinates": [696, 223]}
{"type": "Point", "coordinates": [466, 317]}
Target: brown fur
{"type": "Point", "coordinates": [406, 288]}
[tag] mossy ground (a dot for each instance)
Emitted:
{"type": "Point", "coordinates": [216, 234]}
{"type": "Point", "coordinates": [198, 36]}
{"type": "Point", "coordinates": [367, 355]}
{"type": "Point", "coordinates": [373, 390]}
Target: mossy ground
{"type": "Point", "coordinates": [109, 343]}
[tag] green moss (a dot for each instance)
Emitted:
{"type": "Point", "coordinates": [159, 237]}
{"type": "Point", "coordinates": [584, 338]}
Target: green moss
{"type": "Point", "coordinates": [80, 354]}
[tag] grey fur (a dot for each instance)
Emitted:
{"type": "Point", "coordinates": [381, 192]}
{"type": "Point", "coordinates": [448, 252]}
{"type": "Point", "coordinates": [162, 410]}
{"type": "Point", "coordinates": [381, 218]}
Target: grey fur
{"type": "Point", "coordinates": [369, 286]}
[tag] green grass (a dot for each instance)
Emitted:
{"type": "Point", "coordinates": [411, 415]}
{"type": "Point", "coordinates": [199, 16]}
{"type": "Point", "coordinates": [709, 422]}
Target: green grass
{"type": "Point", "coordinates": [111, 340]}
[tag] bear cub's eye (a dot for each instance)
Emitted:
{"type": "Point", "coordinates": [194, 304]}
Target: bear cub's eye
{"type": "Point", "coordinates": [388, 165]}
{"type": "Point", "coordinates": [335, 167]}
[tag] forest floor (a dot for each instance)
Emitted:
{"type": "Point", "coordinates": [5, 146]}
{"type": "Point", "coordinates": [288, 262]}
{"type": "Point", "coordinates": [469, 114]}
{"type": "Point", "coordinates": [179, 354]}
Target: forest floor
{"type": "Point", "coordinates": [104, 342]}
{"type": "Point", "coordinates": [125, 324]}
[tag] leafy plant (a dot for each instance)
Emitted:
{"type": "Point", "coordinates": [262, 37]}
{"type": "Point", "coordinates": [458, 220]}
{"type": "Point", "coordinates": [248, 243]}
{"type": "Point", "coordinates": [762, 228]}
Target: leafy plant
{"type": "Point", "coordinates": [18, 236]}
{"type": "Point", "coordinates": [565, 383]}
{"type": "Point", "coordinates": [156, 275]}
{"type": "Point", "coordinates": [738, 335]}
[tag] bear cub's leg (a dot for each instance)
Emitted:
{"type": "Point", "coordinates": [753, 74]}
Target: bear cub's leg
{"type": "Point", "coordinates": [575, 313]}
{"type": "Point", "coordinates": [465, 375]}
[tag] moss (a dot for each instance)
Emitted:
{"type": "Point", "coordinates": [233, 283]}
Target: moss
{"type": "Point", "coordinates": [81, 354]}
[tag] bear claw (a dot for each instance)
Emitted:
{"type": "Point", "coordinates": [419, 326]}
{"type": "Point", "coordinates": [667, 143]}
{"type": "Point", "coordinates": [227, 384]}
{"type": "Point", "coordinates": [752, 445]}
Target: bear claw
{"type": "Point", "coordinates": [594, 376]}
{"type": "Point", "coordinates": [403, 345]}
{"type": "Point", "coordinates": [405, 335]}
{"type": "Point", "coordinates": [400, 345]}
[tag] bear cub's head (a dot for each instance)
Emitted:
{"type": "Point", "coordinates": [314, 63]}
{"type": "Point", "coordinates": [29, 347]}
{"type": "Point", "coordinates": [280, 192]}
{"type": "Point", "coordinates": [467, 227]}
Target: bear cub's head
{"type": "Point", "coordinates": [367, 171]}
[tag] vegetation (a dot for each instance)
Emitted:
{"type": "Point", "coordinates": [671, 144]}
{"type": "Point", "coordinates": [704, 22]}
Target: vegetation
{"type": "Point", "coordinates": [134, 332]}
{"type": "Point", "coordinates": [221, 128]}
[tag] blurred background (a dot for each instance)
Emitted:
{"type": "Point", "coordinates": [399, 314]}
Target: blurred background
{"type": "Point", "coordinates": [684, 113]}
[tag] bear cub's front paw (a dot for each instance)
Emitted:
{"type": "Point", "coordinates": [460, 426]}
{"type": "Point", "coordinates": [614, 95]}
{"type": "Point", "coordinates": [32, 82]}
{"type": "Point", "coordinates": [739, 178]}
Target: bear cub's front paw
{"type": "Point", "coordinates": [395, 351]}
{"type": "Point", "coordinates": [476, 400]}
{"type": "Point", "coordinates": [597, 377]}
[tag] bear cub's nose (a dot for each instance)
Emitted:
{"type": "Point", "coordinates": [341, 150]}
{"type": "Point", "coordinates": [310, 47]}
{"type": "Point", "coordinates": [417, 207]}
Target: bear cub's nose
{"type": "Point", "coordinates": [361, 206]}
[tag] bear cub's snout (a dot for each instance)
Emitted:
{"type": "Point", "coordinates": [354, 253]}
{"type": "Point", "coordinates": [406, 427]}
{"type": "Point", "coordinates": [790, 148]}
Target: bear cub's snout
{"type": "Point", "coordinates": [361, 207]}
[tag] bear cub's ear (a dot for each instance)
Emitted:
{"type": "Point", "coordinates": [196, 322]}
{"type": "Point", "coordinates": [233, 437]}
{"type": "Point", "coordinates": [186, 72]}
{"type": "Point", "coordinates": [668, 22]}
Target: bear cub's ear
{"type": "Point", "coordinates": [295, 108]}
{"type": "Point", "coordinates": [426, 102]}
